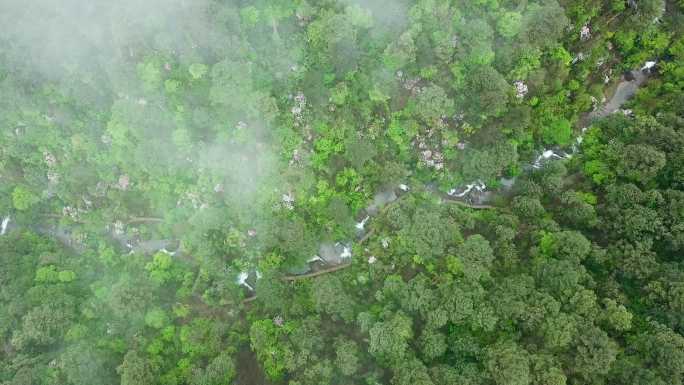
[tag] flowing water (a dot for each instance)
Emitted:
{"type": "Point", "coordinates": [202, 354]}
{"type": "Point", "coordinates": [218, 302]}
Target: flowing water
{"type": "Point", "coordinates": [337, 253]}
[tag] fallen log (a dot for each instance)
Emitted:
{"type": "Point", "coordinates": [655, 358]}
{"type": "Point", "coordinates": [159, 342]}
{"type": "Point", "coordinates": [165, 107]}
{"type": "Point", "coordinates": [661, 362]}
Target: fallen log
{"type": "Point", "coordinates": [249, 299]}
{"type": "Point", "coordinates": [144, 219]}
{"type": "Point", "coordinates": [470, 205]}
{"type": "Point", "coordinates": [291, 278]}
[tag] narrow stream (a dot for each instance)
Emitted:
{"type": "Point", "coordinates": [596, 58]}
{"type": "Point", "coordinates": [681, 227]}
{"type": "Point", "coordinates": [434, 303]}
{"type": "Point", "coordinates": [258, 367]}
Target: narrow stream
{"type": "Point", "coordinates": [337, 253]}
{"type": "Point", "coordinates": [476, 192]}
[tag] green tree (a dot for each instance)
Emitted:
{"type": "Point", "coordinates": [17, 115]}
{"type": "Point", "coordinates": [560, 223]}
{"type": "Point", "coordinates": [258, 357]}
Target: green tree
{"type": "Point", "coordinates": [23, 198]}
{"type": "Point", "coordinates": [330, 296]}
{"type": "Point", "coordinates": [487, 92]}
{"type": "Point", "coordinates": [617, 316]}
{"type": "Point", "coordinates": [529, 209]}
{"type": "Point", "coordinates": [135, 370]}
{"type": "Point", "coordinates": [476, 257]}
{"type": "Point", "coordinates": [411, 372]}
{"type": "Point", "coordinates": [544, 23]}
{"type": "Point", "coordinates": [433, 345]}
{"type": "Point", "coordinates": [594, 354]}
{"type": "Point", "coordinates": [557, 132]}
{"type": "Point", "coordinates": [85, 364]}
{"type": "Point", "coordinates": [433, 103]}
{"type": "Point", "coordinates": [509, 24]}
{"type": "Point", "coordinates": [508, 364]}
{"type": "Point", "coordinates": [265, 338]}
{"type": "Point", "coordinates": [156, 318]}
{"type": "Point", "coordinates": [347, 356]}
{"type": "Point", "coordinates": [45, 324]}
{"type": "Point", "coordinates": [662, 349]}
{"type": "Point", "coordinates": [389, 338]}
{"type": "Point", "coordinates": [220, 371]}
{"type": "Point", "coordinates": [640, 163]}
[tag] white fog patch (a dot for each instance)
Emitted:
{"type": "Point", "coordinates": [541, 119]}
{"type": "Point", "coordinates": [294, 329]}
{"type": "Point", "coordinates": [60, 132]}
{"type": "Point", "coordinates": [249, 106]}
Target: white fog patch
{"type": "Point", "coordinates": [62, 37]}
{"type": "Point", "coordinates": [388, 15]}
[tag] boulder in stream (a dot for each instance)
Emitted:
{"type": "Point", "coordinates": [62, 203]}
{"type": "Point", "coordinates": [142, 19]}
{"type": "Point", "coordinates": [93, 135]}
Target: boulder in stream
{"type": "Point", "coordinates": [381, 199]}
{"type": "Point", "coordinates": [154, 245]}
{"type": "Point", "coordinates": [335, 254]}
{"type": "Point", "coordinates": [507, 183]}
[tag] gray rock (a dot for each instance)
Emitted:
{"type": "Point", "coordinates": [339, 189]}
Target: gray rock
{"type": "Point", "coordinates": [381, 199]}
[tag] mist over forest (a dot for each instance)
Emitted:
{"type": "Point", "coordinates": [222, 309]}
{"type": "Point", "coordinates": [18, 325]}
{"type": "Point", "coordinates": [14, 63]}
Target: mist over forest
{"type": "Point", "coordinates": [403, 192]}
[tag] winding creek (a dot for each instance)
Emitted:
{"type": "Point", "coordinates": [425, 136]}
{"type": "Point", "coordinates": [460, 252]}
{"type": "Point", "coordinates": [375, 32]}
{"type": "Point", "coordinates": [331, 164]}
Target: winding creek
{"type": "Point", "coordinates": [475, 195]}
{"type": "Point", "coordinates": [338, 255]}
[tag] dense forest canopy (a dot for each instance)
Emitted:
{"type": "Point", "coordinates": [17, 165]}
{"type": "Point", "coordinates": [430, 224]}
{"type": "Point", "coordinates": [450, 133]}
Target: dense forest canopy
{"type": "Point", "coordinates": [405, 192]}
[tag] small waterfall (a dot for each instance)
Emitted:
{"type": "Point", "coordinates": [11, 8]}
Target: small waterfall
{"type": "Point", "coordinates": [242, 280]}
{"type": "Point", "coordinates": [477, 186]}
{"type": "Point", "coordinates": [3, 226]}
{"type": "Point", "coordinates": [362, 224]}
